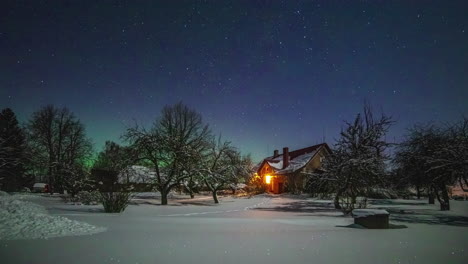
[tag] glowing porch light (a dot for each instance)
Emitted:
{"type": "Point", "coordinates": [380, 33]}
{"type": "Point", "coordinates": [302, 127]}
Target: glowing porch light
{"type": "Point", "coordinates": [268, 179]}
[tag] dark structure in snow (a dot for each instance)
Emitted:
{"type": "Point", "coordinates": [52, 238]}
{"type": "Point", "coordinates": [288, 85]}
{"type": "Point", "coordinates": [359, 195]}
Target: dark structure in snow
{"type": "Point", "coordinates": [371, 218]}
{"type": "Point", "coordinates": [285, 172]}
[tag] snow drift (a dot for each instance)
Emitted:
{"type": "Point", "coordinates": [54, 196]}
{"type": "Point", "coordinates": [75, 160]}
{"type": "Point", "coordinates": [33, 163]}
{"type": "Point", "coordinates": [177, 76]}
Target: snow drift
{"type": "Point", "coordinates": [26, 220]}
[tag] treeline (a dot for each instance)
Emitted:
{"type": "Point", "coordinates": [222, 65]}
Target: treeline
{"type": "Point", "coordinates": [53, 142]}
{"type": "Point", "coordinates": [181, 151]}
{"type": "Point", "coordinates": [179, 148]}
{"type": "Point", "coordinates": [430, 159]}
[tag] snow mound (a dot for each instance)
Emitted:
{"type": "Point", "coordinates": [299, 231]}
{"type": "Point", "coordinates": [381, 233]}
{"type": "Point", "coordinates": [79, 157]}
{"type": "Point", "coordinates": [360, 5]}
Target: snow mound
{"type": "Point", "coordinates": [2, 193]}
{"type": "Point", "coordinates": [368, 212]}
{"type": "Point", "coordinates": [26, 220]}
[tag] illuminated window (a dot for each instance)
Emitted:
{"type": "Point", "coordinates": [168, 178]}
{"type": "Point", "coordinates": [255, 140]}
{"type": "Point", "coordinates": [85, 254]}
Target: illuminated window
{"type": "Point", "coordinates": [267, 179]}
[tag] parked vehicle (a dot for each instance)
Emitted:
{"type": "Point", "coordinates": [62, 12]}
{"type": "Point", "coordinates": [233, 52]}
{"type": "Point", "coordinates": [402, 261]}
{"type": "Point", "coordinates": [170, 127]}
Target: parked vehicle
{"type": "Point", "coordinates": [41, 187]}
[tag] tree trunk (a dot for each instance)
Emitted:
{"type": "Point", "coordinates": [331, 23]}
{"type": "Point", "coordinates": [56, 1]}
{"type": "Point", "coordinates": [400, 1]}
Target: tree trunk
{"type": "Point", "coordinates": [163, 197]}
{"type": "Point", "coordinates": [418, 192]}
{"type": "Point", "coordinates": [431, 199]}
{"type": "Point", "coordinates": [190, 191]}
{"type": "Point", "coordinates": [215, 196]}
{"type": "Point", "coordinates": [430, 194]}
{"type": "Point", "coordinates": [444, 200]}
{"type": "Point", "coordinates": [336, 202]}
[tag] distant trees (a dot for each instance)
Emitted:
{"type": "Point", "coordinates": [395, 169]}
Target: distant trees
{"type": "Point", "coordinates": [170, 145]}
{"type": "Point", "coordinates": [12, 152]}
{"type": "Point", "coordinates": [435, 158]}
{"type": "Point", "coordinates": [58, 140]}
{"type": "Point", "coordinates": [357, 162]}
{"type": "Point", "coordinates": [115, 157]}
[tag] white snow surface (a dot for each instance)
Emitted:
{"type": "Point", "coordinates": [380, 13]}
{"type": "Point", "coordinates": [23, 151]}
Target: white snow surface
{"type": "Point", "coordinates": [270, 229]}
{"type": "Point", "coordinates": [357, 213]}
{"type": "Point", "coordinates": [21, 219]}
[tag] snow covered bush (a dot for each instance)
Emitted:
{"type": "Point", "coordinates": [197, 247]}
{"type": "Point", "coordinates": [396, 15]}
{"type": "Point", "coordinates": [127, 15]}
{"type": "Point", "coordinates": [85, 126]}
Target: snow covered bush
{"type": "Point", "coordinates": [115, 202]}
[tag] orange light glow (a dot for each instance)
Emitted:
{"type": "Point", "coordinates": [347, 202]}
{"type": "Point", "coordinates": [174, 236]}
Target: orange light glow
{"type": "Point", "coordinates": [268, 179]}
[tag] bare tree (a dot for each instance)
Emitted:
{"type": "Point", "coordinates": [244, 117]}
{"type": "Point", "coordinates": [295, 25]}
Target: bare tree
{"type": "Point", "coordinates": [411, 158]}
{"type": "Point", "coordinates": [451, 155]}
{"type": "Point", "coordinates": [170, 145]}
{"type": "Point", "coordinates": [438, 153]}
{"type": "Point", "coordinates": [358, 160]}
{"type": "Point", "coordinates": [59, 139]}
{"type": "Point", "coordinates": [220, 166]}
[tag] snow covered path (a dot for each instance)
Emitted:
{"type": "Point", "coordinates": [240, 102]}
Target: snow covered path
{"type": "Point", "coordinates": [277, 230]}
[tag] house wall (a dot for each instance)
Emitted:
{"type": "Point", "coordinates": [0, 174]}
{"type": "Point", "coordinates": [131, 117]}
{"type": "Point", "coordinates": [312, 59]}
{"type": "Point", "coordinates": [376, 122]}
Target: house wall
{"type": "Point", "coordinates": [316, 162]}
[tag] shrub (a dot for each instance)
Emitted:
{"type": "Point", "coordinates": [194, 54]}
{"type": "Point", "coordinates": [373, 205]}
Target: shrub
{"type": "Point", "coordinates": [115, 202]}
{"type": "Point", "coordinates": [348, 204]}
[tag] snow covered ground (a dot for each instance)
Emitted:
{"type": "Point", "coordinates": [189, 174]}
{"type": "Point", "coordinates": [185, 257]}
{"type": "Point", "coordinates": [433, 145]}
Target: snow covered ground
{"type": "Point", "coordinates": [263, 229]}
{"type": "Point", "coordinates": [20, 219]}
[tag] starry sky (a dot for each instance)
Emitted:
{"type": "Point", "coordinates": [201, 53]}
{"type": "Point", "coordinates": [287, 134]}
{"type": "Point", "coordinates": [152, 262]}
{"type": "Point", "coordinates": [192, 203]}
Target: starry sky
{"type": "Point", "coordinates": [264, 74]}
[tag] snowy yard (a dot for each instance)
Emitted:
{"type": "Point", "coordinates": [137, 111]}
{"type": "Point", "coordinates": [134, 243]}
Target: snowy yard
{"type": "Point", "coordinates": [263, 229]}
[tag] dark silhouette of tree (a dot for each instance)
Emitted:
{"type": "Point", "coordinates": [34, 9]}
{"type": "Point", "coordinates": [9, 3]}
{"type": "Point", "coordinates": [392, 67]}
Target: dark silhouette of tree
{"type": "Point", "coordinates": [437, 157]}
{"type": "Point", "coordinates": [58, 140]}
{"type": "Point", "coordinates": [12, 152]}
{"type": "Point", "coordinates": [170, 145]}
{"type": "Point", "coordinates": [357, 162]}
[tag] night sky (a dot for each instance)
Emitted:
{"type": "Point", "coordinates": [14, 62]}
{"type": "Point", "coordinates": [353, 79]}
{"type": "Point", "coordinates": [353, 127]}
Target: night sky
{"type": "Point", "coordinates": [264, 74]}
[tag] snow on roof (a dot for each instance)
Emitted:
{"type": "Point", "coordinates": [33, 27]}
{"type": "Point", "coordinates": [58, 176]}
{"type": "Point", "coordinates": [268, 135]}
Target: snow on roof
{"type": "Point", "coordinates": [39, 185]}
{"type": "Point", "coordinates": [296, 163]}
{"type": "Point", "coordinates": [276, 165]}
{"type": "Point", "coordinates": [137, 174]}
{"type": "Point", "coordinates": [298, 159]}
{"type": "Point", "coordinates": [357, 213]}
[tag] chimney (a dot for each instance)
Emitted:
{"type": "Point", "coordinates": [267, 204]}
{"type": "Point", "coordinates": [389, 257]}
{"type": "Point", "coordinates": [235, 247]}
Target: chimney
{"type": "Point", "coordinates": [275, 153]}
{"type": "Point", "coordinates": [285, 157]}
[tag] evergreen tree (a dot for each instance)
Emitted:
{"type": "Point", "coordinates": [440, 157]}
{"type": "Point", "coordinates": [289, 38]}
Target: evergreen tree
{"type": "Point", "coordinates": [12, 151]}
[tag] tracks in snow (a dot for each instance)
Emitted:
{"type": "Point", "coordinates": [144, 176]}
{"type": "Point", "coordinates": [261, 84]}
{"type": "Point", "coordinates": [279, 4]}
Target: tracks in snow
{"type": "Point", "coordinates": [225, 211]}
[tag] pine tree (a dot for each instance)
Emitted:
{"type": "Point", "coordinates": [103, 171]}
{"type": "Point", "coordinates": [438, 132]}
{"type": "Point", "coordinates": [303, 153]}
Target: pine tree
{"type": "Point", "coordinates": [12, 151]}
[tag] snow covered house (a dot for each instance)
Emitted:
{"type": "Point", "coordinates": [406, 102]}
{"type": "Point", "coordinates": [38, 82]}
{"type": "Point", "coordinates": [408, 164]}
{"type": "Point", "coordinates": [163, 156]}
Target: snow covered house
{"type": "Point", "coordinates": [285, 172]}
{"type": "Point", "coordinates": [137, 174]}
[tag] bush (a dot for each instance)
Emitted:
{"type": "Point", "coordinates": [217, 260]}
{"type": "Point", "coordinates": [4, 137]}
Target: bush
{"type": "Point", "coordinates": [115, 202]}
{"type": "Point", "coordinates": [348, 205]}
{"type": "Point", "coordinates": [88, 197]}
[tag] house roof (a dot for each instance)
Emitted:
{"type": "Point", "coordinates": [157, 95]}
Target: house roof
{"type": "Point", "coordinates": [297, 159]}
